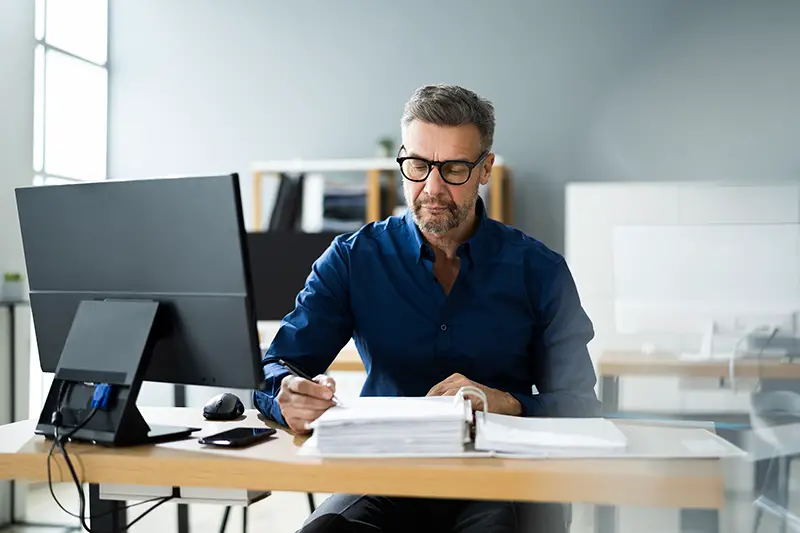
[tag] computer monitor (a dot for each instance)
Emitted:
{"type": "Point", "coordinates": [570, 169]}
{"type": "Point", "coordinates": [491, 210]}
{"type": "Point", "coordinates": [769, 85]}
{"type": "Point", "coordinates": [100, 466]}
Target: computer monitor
{"type": "Point", "coordinates": [281, 262]}
{"type": "Point", "coordinates": [136, 280]}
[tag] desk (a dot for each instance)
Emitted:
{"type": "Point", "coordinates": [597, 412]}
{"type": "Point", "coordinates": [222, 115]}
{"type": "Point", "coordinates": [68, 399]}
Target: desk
{"type": "Point", "coordinates": [276, 465]}
{"type": "Point", "coordinates": [617, 363]}
{"type": "Point", "coordinates": [348, 360]}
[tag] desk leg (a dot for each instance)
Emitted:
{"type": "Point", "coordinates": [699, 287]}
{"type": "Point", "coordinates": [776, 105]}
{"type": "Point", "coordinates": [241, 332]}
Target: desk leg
{"type": "Point", "coordinates": [111, 515]}
{"type": "Point", "coordinates": [699, 521]}
{"type": "Point", "coordinates": [183, 509]}
{"type": "Point", "coordinates": [183, 518]}
{"type": "Point", "coordinates": [12, 404]}
{"type": "Point", "coordinates": [605, 516]}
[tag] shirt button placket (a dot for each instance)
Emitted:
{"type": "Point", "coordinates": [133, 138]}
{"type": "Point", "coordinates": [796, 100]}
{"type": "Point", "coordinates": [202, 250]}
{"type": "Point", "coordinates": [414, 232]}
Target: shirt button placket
{"type": "Point", "coordinates": [443, 341]}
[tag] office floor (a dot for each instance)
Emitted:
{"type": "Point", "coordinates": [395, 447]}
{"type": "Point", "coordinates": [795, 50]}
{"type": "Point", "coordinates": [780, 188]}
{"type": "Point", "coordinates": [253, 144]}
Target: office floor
{"type": "Point", "coordinates": [283, 512]}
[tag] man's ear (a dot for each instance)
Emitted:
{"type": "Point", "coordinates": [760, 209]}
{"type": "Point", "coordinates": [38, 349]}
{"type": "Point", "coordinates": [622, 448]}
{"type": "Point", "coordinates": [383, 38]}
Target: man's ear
{"type": "Point", "coordinates": [486, 168]}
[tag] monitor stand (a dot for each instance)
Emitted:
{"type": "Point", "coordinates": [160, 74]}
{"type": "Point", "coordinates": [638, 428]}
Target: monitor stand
{"type": "Point", "coordinates": [109, 342]}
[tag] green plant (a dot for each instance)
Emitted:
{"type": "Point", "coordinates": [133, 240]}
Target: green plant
{"type": "Point", "coordinates": [387, 143]}
{"type": "Point", "coordinates": [12, 276]}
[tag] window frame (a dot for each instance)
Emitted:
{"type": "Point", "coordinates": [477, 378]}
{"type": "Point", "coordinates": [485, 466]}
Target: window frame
{"type": "Point", "coordinates": [40, 92]}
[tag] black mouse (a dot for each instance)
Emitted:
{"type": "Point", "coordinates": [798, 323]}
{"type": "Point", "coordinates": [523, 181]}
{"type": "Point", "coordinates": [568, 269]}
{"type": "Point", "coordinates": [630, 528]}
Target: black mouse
{"type": "Point", "coordinates": [225, 406]}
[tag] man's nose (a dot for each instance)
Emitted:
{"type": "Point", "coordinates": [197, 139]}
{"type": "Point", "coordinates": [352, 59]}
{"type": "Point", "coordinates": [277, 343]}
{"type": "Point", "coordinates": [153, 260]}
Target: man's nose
{"type": "Point", "coordinates": [435, 185]}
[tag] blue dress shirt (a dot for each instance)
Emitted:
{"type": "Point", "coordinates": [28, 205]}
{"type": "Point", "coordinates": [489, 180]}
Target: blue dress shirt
{"type": "Point", "coordinates": [512, 320]}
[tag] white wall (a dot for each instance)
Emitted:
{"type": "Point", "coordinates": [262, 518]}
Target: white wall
{"type": "Point", "coordinates": [16, 169]}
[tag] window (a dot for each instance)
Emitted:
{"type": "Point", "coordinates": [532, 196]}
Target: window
{"type": "Point", "coordinates": [70, 90]}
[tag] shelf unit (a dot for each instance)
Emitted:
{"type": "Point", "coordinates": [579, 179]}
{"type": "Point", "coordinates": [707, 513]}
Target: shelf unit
{"type": "Point", "coordinates": [379, 173]}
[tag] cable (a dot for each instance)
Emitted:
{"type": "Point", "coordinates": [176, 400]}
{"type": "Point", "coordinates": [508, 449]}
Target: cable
{"type": "Point", "coordinates": [81, 495]}
{"type": "Point", "coordinates": [148, 511]}
{"type": "Point", "coordinates": [99, 400]}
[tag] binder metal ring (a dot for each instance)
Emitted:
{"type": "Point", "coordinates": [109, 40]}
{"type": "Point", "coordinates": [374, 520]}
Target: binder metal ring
{"type": "Point", "coordinates": [470, 389]}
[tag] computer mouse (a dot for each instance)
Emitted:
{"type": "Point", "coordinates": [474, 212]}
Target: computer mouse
{"type": "Point", "coordinates": [225, 406]}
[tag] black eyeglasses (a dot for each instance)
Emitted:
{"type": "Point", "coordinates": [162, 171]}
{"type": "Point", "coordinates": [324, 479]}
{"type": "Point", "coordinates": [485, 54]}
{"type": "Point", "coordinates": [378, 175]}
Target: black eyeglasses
{"type": "Point", "coordinates": [453, 171]}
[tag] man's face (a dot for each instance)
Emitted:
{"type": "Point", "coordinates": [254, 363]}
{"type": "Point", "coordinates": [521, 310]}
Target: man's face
{"type": "Point", "coordinates": [437, 206]}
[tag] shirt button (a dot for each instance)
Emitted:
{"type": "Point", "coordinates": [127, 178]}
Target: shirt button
{"type": "Point", "coordinates": [443, 327]}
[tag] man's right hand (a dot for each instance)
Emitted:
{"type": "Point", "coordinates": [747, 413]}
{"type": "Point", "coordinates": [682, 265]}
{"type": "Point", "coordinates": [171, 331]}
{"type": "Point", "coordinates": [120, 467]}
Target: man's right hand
{"type": "Point", "coordinates": [303, 401]}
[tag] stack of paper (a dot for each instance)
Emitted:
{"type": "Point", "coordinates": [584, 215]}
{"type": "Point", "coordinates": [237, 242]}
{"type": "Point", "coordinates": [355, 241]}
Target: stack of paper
{"type": "Point", "coordinates": [548, 436]}
{"type": "Point", "coordinates": [371, 426]}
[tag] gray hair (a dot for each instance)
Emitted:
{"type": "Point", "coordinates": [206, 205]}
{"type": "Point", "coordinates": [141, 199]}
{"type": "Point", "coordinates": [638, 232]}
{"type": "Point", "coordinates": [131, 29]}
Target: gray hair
{"type": "Point", "coordinates": [451, 105]}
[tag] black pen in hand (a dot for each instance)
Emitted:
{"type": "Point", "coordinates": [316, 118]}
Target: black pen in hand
{"type": "Point", "coordinates": [300, 374]}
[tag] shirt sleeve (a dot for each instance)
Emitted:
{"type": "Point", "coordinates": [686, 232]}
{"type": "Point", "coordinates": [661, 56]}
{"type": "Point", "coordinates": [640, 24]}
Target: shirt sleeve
{"type": "Point", "coordinates": [312, 335]}
{"type": "Point", "coordinates": [565, 370]}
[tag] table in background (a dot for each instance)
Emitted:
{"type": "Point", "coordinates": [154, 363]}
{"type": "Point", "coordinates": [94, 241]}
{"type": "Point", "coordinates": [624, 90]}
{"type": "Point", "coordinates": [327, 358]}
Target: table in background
{"type": "Point", "coordinates": [348, 360]}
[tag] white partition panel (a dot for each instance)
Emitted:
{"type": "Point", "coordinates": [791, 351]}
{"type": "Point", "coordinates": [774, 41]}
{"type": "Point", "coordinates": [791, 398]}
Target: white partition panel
{"type": "Point", "coordinates": [696, 238]}
{"type": "Point", "coordinates": [678, 278]}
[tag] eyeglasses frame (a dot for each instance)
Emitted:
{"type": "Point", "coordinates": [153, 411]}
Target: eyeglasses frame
{"type": "Point", "coordinates": [439, 164]}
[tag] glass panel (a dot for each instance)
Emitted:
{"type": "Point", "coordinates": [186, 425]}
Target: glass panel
{"type": "Point", "coordinates": [79, 26]}
{"type": "Point", "coordinates": [38, 29]}
{"type": "Point", "coordinates": [38, 108]}
{"type": "Point", "coordinates": [75, 117]}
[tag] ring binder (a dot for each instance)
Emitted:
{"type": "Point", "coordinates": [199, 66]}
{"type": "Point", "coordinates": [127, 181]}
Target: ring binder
{"type": "Point", "coordinates": [441, 426]}
{"type": "Point", "coordinates": [463, 392]}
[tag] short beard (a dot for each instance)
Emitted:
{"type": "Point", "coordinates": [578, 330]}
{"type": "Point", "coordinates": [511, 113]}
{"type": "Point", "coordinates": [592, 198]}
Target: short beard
{"type": "Point", "coordinates": [439, 225]}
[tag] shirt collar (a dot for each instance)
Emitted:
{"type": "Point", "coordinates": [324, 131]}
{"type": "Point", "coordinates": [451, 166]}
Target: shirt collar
{"type": "Point", "coordinates": [473, 248]}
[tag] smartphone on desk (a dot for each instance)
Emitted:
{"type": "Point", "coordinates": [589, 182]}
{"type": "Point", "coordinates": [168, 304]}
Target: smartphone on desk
{"type": "Point", "coordinates": [238, 437]}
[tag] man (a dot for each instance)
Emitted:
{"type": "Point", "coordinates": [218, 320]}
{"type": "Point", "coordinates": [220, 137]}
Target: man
{"type": "Point", "coordinates": [440, 298]}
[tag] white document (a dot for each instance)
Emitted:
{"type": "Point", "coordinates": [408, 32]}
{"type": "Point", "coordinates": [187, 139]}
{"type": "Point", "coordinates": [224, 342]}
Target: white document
{"type": "Point", "coordinates": [388, 426]}
{"type": "Point", "coordinates": [551, 436]}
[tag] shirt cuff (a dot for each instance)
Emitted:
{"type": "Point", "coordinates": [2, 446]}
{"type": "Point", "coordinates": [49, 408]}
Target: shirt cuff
{"type": "Point", "coordinates": [531, 406]}
{"type": "Point", "coordinates": [265, 400]}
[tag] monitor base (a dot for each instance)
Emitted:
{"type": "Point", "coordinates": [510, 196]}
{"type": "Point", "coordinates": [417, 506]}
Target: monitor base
{"type": "Point", "coordinates": [156, 435]}
{"type": "Point", "coordinates": [110, 343]}
{"type": "Point", "coordinates": [168, 433]}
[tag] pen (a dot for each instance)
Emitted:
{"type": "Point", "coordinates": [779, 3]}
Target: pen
{"type": "Point", "coordinates": [299, 373]}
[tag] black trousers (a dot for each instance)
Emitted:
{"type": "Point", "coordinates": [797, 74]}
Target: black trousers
{"type": "Point", "coordinates": [349, 513]}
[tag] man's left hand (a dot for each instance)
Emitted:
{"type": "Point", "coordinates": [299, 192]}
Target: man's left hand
{"type": "Point", "coordinates": [499, 402]}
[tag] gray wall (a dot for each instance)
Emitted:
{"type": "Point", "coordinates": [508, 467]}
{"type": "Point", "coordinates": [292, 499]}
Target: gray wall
{"type": "Point", "coordinates": [584, 90]}
{"type": "Point", "coordinates": [16, 169]}
{"type": "Point", "coordinates": [716, 98]}
{"type": "Point", "coordinates": [202, 86]}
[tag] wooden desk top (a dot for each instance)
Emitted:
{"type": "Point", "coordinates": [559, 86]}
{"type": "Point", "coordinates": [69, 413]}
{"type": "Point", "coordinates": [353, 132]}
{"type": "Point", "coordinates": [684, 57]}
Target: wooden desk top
{"type": "Point", "coordinates": [275, 465]}
{"type": "Point", "coordinates": [636, 363]}
{"type": "Point", "coordinates": [348, 360]}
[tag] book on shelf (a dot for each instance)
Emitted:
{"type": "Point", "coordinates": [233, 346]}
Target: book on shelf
{"type": "Point", "coordinates": [313, 203]}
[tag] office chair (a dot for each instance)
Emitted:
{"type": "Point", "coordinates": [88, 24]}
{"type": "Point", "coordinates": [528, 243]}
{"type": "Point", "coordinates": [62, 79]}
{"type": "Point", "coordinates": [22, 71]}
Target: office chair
{"type": "Point", "coordinates": [769, 411]}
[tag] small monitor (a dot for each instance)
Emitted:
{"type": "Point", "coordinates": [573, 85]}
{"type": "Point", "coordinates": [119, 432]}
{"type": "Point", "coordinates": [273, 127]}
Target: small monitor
{"type": "Point", "coordinates": [281, 261]}
{"type": "Point", "coordinates": [136, 280]}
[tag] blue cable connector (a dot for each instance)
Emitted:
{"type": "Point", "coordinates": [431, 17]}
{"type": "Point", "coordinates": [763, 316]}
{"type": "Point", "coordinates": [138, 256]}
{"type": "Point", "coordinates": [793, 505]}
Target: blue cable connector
{"type": "Point", "coordinates": [100, 396]}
